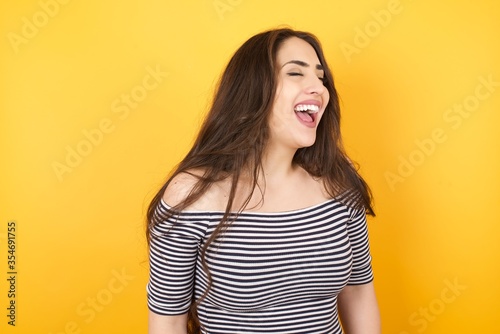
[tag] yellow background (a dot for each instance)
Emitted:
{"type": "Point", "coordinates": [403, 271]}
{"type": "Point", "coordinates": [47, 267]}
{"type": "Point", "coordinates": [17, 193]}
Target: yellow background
{"type": "Point", "coordinates": [81, 254]}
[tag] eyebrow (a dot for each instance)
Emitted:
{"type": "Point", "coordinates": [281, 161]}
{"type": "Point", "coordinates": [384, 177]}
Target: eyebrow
{"type": "Point", "coordinates": [303, 64]}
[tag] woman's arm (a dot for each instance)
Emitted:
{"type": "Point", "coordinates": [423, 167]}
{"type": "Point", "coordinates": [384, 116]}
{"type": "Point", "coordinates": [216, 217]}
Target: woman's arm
{"type": "Point", "coordinates": [358, 309]}
{"type": "Point", "coordinates": [162, 324]}
{"type": "Point", "coordinates": [173, 250]}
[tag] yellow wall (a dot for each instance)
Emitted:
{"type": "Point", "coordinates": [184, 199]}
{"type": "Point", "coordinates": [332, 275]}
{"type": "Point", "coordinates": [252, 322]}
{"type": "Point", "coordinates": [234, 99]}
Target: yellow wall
{"type": "Point", "coordinates": [99, 99]}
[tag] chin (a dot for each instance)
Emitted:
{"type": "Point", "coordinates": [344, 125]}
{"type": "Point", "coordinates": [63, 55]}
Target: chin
{"type": "Point", "coordinates": [307, 143]}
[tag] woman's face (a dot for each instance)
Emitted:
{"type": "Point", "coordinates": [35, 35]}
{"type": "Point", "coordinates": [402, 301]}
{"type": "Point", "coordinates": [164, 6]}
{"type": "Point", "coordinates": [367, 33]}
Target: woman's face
{"type": "Point", "coordinates": [301, 97]}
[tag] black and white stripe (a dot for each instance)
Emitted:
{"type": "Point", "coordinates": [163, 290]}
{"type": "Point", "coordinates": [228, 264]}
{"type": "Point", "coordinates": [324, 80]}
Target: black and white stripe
{"type": "Point", "coordinates": [272, 272]}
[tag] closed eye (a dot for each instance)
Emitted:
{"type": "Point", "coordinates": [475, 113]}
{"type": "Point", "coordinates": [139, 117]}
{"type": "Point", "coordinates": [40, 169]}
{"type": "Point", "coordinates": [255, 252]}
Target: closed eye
{"type": "Point", "coordinates": [296, 74]}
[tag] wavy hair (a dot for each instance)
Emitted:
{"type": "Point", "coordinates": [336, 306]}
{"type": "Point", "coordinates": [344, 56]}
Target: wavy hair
{"type": "Point", "coordinates": [233, 138]}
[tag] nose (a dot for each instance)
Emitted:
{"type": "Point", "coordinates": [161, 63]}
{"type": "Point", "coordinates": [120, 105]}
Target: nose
{"type": "Point", "coordinates": [315, 85]}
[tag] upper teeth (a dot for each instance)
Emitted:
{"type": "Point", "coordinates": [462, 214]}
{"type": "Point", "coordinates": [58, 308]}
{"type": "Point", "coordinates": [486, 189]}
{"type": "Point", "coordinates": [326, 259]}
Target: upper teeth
{"type": "Point", "coordinates": [310, 108]}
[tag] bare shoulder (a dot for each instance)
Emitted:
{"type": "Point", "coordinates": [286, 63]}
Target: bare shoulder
{"type": "Point", "coordinates": [181, 186]}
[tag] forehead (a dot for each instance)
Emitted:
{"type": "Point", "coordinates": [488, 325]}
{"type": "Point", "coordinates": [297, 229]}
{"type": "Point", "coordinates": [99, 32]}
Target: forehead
{"type": "Point", "coordinates": [295, 48]}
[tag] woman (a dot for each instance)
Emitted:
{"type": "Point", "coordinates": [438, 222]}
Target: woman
{"type": "Point", "coordinates": [262, 228]}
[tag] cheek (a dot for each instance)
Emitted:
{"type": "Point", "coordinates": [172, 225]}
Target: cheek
{"type": "Point", "coordinates": [278, 120]}
{"type": "Point", "coordinates": [280, 115]}
{"type": "Point", "coordinates": [325, 99]}
{"type": "Point", "coordinates": [326, 96]}
{"type": "Point", "coordinates": [281, 107]}
{"type": "Point", "coordinates": [284, 98]}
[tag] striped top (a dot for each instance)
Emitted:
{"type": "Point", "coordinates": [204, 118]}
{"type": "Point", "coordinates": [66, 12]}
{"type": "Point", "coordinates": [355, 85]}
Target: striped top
{"type": "Point", "coordinates": [276, 272]}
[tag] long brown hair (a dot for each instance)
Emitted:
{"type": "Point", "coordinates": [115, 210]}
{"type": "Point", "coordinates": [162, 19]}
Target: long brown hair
{"type": "Point", "coordinates": [234, 134]}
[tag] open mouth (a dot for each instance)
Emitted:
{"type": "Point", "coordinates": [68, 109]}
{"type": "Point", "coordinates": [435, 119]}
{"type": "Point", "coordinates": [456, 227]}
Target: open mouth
{"type": "Point", "coordinates": [306, 112]}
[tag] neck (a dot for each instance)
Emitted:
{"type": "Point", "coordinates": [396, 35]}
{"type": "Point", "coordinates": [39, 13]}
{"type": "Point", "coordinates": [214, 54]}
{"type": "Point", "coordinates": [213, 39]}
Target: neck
{"type": "Point", "coordinates": [277, 164]}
